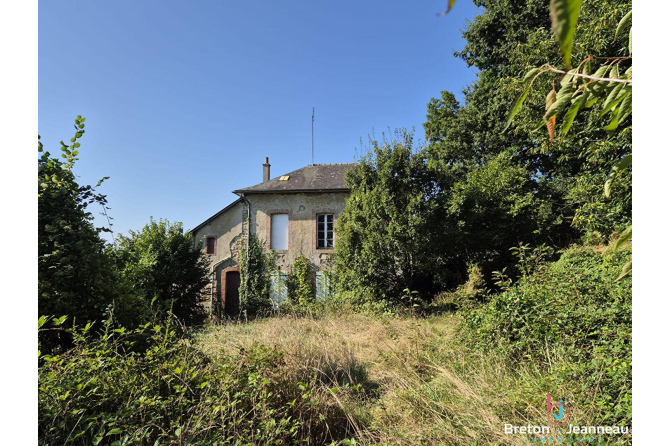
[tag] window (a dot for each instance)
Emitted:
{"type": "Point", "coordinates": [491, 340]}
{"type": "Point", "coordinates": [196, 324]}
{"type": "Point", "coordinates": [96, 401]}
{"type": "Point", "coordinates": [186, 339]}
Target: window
{"type": "Point", "coordinates": [324, 231]}
{"type": "Point", "coordinates": [279, 232]}
{"type": "Point", "coordinates": [210, 247]}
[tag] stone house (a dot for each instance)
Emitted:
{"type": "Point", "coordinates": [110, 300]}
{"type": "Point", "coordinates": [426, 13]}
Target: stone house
{"type": "Point", "coordinates": [292, 215]}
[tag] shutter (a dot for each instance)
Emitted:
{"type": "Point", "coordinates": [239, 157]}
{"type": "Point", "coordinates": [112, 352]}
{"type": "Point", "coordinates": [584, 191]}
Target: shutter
{"type": "Point", "coordinates": [323, 291]}
{"type": "Point", "coordinates": [278, 291]}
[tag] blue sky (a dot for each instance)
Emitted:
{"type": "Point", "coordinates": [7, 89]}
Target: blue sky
{"type": "Point", "coordinates": [184, 100]}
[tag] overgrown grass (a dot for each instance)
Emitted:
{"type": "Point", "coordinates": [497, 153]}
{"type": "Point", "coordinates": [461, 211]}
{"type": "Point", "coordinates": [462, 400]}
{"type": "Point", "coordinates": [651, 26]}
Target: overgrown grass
{"type": "Point", "coordinates": [337, 377]}
{"type": "Point", "coordinates": [401, 380]}
{"type": "Point", "coordinates": [151, 386]}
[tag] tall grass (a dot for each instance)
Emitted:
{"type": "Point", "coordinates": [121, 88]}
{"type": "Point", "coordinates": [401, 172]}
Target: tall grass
{"type": "Point", "coordinates": [399, 380]}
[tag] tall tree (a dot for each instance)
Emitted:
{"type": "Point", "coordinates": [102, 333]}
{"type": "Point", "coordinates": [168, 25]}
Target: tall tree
{"type": "Point", "coordinates": [75, 277]}
{"type": "Point", "coordinates": [391, 236]}
{"type": "Point", "coordinates": [504, 42]}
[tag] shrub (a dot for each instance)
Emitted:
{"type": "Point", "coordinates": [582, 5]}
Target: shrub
{"type": "Point", "coordinates": [150, 386]}
{"type": "Point", "coordinates": [255, 267]}
{"type": "Point", "coordinates": [300, 283]}
{"type": "Point", "coordinates": [75, 276]}
{"type": "Point", "coordinates": [574, 320]}
{"type": "Point", "coordinates": [162, 265]}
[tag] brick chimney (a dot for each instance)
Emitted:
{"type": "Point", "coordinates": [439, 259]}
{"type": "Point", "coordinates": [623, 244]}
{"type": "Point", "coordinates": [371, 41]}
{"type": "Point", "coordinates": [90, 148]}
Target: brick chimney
{"type": "Point", "coordinates": [266, 170]}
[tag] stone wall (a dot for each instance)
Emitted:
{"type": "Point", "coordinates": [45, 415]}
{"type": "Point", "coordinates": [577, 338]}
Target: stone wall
{"type": "Point", "coordinates": [302, 209]}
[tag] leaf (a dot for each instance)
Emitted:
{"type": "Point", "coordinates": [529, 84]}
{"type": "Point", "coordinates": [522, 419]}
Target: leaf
{"type": "Point", "coordinates": [114, 431]}
{"type": "Point", "coordinates": [562, 99]}
{"type": "Point", "coordinates": [626, 107]}
{"type": "Point", "coordinates": [616, 168]}
{"type": "Point", "coordinates": [42, 320]}
{"type": "Point", "coordinates": [568, 78]}
{"type": "Point", "coordinates": [613, 99]}
{"type": "Point", "coordinates": [531, 74]}
{"type": "Point", "coordinates": [625, 236]}
{"type": "Point", "coordinates": [551, 128]}
{"type": "Point", "coordinates": [626, 270]}
{"type": "Point", "coordinates": [598, 87]}
{"type": "Point", "coordinates": [450, 5]}
{"type": "Point", "coordinates": [564, 15]}
{"type": "Point", "coordinates": [590, 101]}
{"type": "Point", "coordinates": [529, 77]}
{"type": "Point", "coordinates": [571, 113]}
{"type": "Point", "coordinates": [517, 106]}
{"type": "Point", "coordinates": [551, 99]}
{"type": "Point", "coordinates": [614, 123]}
{"type": "Point", "coordinates": [625, 21]}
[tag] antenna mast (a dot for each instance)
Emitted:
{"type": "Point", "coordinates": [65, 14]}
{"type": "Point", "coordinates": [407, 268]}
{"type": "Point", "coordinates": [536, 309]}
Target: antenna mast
{"type": "Point", "coordinates": [312, 135]}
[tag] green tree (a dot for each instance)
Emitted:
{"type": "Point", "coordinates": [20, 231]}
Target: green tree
{"type": "Point", "coordinates": [164, 268]}
{"type": "Point", "coordinates": [608, 81]}
{"type": "Point", "coordinates": [391, 235]}
{"type": "Point", "coordinates": [75, 276]}
{"type": "Point", "coordinates": [497, 206]}
{"type": "Point", "coordinates": [504, 42]}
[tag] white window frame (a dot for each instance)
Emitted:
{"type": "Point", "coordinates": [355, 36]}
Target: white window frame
{"type": "Point", "coordinates": [323, 234]}
{"type": "Point", "coordinates": [279, 224]}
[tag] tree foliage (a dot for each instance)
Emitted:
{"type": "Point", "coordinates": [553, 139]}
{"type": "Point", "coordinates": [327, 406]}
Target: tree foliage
{"type": "Point", "coordinates": [385, 231]}
{"type": "Point", "coordinates": [418, 216]}
{"type": "Point", "coordinates": [165, 267]}
{"type": "Point", "coordinates": [75, 276]}
{"type": "Point", "coordinates": [415, 224]}
{"type": "Point", "coordinates": [514, 37]}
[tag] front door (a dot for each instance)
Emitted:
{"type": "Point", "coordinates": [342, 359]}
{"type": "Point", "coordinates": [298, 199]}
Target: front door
{"type": "Point", "coordinates": [232, 292]}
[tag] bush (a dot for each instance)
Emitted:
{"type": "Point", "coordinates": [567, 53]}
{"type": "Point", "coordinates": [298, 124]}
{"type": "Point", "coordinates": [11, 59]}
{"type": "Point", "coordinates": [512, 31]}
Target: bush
{"type": "Point", "coordinates": [300, 283]}
{"type": "Point", "coordinates": [255, 267]}
{"type": "Point", "coordinates": [164, 268]}
{"type": "Point", "coordinates": [75, 276]}
{"type": "Point", "coordinates": [150, 386]}
{"type": "Point", "coordinates": [574, 320]}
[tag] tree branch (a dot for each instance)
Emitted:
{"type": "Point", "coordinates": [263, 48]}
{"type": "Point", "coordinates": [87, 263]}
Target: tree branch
{"type": "Point", "coordinates": [604, 79]}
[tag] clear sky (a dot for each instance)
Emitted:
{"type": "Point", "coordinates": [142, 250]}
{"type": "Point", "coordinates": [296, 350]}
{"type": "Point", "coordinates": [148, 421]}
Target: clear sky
{"type": "Point", "coordinates": [184, 99]}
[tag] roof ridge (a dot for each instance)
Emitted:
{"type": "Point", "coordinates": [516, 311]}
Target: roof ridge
{"type": "Point", "coordinates": [330, 164]}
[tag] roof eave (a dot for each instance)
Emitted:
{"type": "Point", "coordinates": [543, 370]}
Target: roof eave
{"type": "Point", "coordinates": [202, 225]}
{"type": "Point", "coordinates": [289, 191]}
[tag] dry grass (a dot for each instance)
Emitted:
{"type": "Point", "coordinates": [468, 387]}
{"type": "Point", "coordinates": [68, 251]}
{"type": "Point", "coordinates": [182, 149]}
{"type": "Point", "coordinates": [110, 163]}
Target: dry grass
{"type": "Point", "coordinates": [400, 381]}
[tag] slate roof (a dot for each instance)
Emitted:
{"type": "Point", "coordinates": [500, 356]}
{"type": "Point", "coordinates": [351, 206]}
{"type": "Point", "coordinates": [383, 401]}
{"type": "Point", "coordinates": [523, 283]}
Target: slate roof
{"type": "Point", "coordinates": [312, 178]}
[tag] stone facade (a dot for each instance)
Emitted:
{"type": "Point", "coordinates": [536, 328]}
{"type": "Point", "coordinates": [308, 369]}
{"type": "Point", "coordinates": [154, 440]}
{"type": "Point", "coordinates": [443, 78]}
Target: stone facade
{"type": "Point", "coordinates": [303, 195]}
{"type": "Point", "coordinates": [302, 209]}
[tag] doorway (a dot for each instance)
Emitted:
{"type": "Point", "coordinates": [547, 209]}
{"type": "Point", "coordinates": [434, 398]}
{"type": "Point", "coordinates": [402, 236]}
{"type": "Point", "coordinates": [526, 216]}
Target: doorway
{"type": "Point", "coordinates": [232, 293]}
